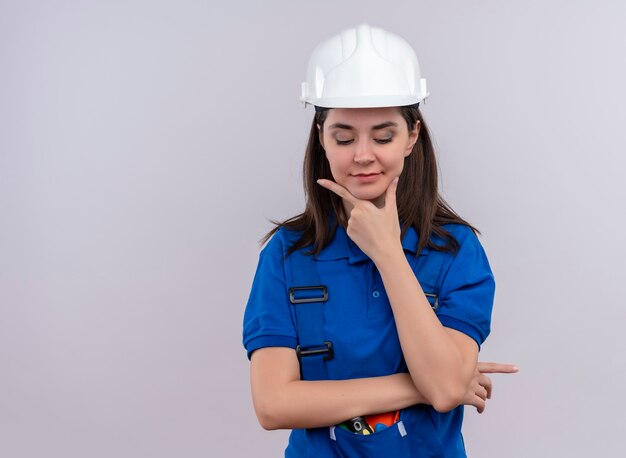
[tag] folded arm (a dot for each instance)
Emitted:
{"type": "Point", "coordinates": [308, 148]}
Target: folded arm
{"type": "Point", "coordinates": [282, 400]}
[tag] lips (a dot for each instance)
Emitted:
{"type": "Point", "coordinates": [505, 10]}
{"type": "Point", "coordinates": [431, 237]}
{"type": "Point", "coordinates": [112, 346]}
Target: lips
{"type": "Point", "coordinates": [366, 177]}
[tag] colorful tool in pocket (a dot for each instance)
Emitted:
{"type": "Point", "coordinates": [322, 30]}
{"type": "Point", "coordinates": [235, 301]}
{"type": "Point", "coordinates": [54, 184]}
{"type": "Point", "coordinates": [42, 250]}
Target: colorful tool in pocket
{"type": "Point", "coordinates": [384, 420]}
{"type": "Point", "coordinates": [357, 425]}
{"type": "Point", "coordinates": [371, 423]}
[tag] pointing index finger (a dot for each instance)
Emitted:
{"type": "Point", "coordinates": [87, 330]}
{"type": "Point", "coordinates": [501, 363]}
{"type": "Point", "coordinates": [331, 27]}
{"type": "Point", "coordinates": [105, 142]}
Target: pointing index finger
{"type": "Point", "coordinates": [338, 189]}
{"type": "Point", "coordinates": [496, 368]}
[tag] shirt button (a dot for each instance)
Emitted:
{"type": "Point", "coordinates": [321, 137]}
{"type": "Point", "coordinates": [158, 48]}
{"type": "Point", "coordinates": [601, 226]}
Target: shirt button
{"type": "Point", "coordinates": [375, 294]}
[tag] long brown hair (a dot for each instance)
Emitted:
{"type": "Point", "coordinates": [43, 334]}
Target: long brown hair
{"type": "Point", "coordinates": [419, 204]}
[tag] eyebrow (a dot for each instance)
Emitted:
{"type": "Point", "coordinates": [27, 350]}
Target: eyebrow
{"type": "Point", "coordinates": [384, 125]}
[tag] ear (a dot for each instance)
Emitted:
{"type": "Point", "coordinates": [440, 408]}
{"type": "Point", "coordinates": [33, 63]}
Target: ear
{"type": "Point", "coordinates": [413, 136]}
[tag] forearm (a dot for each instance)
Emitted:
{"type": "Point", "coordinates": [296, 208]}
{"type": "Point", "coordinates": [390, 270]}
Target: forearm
{"type": "Point", "coordinates": [435, 362]}
{"type": "Point", "coordinates": [311, 404]}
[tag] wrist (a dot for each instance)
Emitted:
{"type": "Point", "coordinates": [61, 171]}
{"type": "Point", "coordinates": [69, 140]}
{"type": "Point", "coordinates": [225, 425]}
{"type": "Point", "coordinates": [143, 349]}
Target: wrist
{"type": "Point", "coordinates": [389, 256]}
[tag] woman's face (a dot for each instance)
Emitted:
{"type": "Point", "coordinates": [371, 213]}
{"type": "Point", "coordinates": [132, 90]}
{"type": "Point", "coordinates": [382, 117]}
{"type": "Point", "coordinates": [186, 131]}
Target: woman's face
{"type": "Point", "coordinates": [366, 148]}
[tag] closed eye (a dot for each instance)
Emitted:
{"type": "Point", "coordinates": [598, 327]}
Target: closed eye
{"type": "Point", "coordinates": [380, 141]}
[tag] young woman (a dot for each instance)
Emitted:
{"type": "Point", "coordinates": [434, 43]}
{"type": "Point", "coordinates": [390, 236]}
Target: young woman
{"type": "Point", "coordinates": [367, 310]}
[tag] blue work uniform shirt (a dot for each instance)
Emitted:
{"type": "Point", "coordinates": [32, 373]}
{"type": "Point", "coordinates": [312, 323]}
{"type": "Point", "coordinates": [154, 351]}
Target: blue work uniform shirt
{"type": "Point", "coordinates": [358, 319]}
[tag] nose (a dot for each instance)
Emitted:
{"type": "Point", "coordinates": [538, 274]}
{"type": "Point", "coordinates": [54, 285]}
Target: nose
{"type": "Point", "coordinates": [363, 153]}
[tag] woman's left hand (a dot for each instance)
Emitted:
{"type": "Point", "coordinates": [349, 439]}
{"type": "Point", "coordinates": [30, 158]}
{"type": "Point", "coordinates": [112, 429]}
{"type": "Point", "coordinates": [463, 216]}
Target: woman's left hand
{"type": "Point", "coordinates": [375, 230]}
{"type": "Point", "coordinates": [481, 387]}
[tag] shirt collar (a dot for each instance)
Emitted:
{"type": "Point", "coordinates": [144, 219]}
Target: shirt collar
{"type": "Point", "coordinates": [341, 247]}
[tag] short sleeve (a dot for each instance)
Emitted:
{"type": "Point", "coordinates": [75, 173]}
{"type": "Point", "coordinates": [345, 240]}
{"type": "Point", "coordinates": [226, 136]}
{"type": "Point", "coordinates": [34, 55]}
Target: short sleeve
{"type": "Point", "coordinates": [267, 319]}
{"type": "Point", "coordinates": [468, 289]}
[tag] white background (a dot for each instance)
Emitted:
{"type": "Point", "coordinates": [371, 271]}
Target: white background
{"type": "Point", "coordinates": [144, 145]}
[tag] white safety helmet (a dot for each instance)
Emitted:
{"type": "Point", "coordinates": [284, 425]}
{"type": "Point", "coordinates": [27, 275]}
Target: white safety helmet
{"type": "Point", "coordinates": [363, 67]}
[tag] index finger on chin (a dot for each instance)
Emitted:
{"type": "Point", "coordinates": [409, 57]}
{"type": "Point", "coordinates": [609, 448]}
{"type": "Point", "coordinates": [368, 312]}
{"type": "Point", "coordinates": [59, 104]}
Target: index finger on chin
{"type": "Point", "coordinates": [337, 189]}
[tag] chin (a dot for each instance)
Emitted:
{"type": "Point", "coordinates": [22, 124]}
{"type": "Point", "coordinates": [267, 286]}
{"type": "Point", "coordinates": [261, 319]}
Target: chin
{"type": "Point", "coordinates": [364, 195]}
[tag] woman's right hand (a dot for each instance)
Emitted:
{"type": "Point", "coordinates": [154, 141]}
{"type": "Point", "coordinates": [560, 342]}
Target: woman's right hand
{"type": "Point", "coordinates": [481, 387]}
